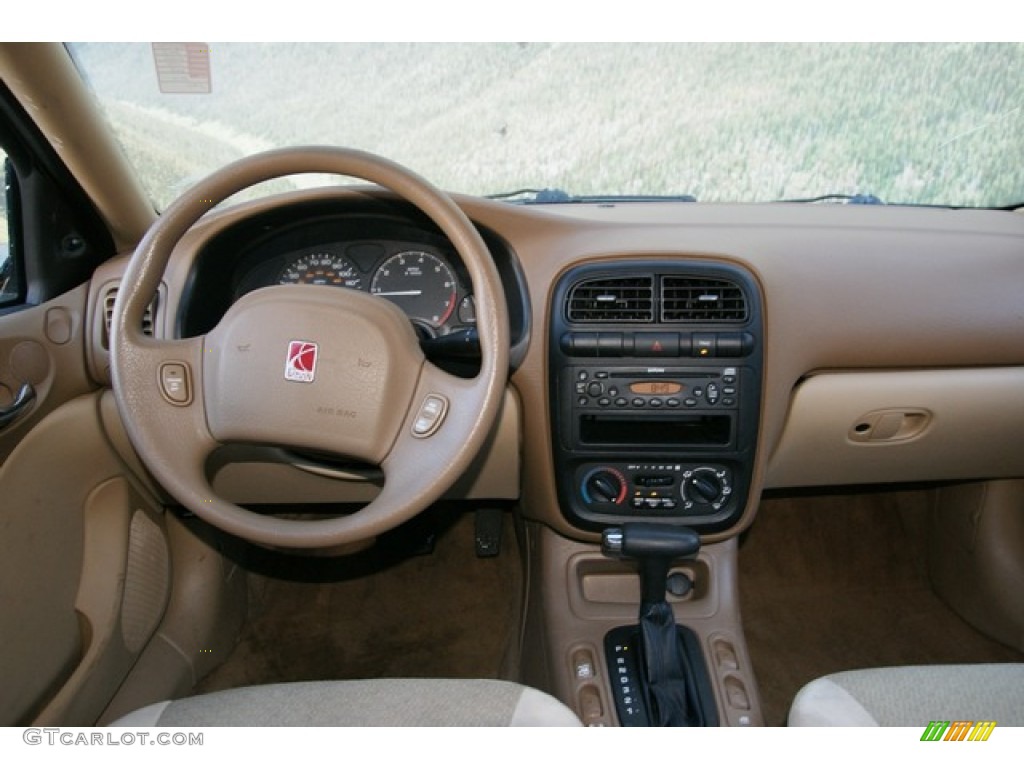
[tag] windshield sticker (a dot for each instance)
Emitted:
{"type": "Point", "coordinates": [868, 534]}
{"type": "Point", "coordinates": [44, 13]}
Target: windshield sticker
{"type": "Point", "coordinates": [182, 67]}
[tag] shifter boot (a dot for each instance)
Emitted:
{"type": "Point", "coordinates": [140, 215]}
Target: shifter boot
{"type": "Point", "coordinates": [669, 682]}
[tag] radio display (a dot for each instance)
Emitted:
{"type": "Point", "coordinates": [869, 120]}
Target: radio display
{"type": "Point", "coordinates": [655, 387]}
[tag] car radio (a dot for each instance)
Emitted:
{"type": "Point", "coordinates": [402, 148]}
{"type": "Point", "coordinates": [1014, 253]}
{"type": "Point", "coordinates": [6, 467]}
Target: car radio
{"type": "Point", "coordinates": [655, 392]}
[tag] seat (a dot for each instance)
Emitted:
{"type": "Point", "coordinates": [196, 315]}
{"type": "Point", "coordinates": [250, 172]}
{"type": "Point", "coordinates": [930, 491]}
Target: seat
{"type": "Point", "coordinates": [412, 702]}
{"type": "Point", "coordinates": [913, 696]}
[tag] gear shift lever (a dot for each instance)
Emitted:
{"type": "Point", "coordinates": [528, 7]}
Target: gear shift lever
{"type": "Point", "coordinates": [669, 680]}
{"type": "Point", "coordinates": [655, 547]}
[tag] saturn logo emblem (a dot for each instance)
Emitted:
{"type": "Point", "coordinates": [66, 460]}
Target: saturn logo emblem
{"type": "Point", "coordinates": [300, 364]}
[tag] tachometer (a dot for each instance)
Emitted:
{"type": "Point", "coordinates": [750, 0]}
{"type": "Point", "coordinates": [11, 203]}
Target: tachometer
{"type": "Point", "coordinates": [421, 283]}
{"type": "Point", "coordinates": [322, 269]}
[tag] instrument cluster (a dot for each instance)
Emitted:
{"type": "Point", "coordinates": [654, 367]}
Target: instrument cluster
{"type": "Point", "coordinates": [429, 285]}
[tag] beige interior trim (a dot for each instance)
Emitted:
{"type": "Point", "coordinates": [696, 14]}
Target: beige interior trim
{"type": "Point", "coordinates": [44, 79]}
{"type": "Point", "coordinates": [199, 629]}
{"type": "Point", "coordinates": [900, 426]}
{"type": "Point", "coordinates": [99, 604]}
{"type": "Point", "coordinates": [66, 516]}
{"type": "Point", "coordinates": [976, 555]}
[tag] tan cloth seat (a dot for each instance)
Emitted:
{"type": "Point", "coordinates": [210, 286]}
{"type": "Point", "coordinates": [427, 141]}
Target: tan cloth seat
{"type": "Point", "coordinates": [413, 702]}
{"type": "Point", "coordinates": [913, 696]}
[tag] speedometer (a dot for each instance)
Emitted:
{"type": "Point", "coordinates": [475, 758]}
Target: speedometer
{"type": "Point", "coordinates": [421, 283]}
{"type": "Point", "coordinates": [322, 269]}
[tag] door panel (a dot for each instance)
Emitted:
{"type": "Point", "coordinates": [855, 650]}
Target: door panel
{"type": "Point", "coordinates": [84, 572]}
{"type": "Point", "coordinates": [42, 346]}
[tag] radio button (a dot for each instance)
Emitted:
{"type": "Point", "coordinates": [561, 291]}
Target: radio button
{"type": "Point", "coordinates": [655, 402]}
{"type": "Point", "coordinates": [582, 401]}
{"type": "Point", "coordinates": [638, 402]}
{"type": "Point", "coordinates": [690, 402]}
{"type": "Point", "coordinates": [595, 389]}
{"type": "Point", "coordinates": [711, 393]}
{"type": "Point", "coordinates": [728, 401]}
{"type": "Point", "coordinates": [581, 388]}
{"type": "Point", "coordinates": [582, 375]}
{"type": "Point", "coordinates": [613, 391]}
{"type": "Point", "coordinates": [604, 402]}
{"type": "Point", "coordinates": [621, 402]}
{"type": "Point", "coordinates": [728, 390]}
{"type": "Point", "coordinates": [601, 375]}
{"type": "Point", "coordinates": [672, 402]}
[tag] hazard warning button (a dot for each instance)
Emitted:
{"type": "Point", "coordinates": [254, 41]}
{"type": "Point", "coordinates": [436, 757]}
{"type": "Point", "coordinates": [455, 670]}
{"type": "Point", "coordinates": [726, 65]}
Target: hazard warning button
{"type": "Point", "coordinates": [656, 345]}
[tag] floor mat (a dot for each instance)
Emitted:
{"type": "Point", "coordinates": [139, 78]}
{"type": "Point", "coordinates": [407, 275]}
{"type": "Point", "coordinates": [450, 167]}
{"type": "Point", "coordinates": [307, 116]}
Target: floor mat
{"type": "Point", "coordinates": [381, 614]}
{"type": "Point", "coordinates": [839, 582]}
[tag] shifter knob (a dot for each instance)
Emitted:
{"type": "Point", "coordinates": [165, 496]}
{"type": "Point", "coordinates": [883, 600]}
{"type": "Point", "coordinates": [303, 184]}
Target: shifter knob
{"type": "Point", "coordinates": [655, 546]}
{"type": "Point", "coordinates": [643, 540]}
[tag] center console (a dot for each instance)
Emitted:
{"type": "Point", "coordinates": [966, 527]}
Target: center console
{"type": "Point", "coordinates": [655, 371]}
{"type": "Point", "coordinates": [655, 392]}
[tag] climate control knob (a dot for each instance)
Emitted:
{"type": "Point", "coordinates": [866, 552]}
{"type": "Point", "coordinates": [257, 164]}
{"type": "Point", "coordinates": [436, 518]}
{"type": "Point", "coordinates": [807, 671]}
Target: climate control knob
{"type": "Point", "coordinates": [604, 486]}
{"type": "Point", "coordinates": [705, 486]}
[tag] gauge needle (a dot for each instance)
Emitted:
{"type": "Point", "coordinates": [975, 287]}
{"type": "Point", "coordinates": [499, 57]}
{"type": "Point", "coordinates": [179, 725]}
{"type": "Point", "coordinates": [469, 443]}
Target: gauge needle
{"type": "Point", "coordinates": [398, 293]}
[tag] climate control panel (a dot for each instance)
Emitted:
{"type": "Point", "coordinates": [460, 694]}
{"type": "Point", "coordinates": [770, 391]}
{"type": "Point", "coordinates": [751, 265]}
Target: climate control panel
{"type": "Point", "coordinates": [659, 489]}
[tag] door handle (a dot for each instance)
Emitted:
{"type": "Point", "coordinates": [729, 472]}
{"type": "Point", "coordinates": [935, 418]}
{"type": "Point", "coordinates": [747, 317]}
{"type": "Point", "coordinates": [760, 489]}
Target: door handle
{"type": "Point", "coordinates": [24, 398]}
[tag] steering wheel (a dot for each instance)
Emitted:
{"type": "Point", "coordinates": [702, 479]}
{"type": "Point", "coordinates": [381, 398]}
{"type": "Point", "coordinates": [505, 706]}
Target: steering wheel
{"type": "Point", "coordinates": [306, 367]}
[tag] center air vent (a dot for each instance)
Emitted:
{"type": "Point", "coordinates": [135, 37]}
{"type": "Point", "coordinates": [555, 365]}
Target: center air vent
{"type": "Point", "coordinates": [701, 299]}
{"type": "Point", "coordinates": [612, 300]}
{"type": "Point", "coordinates": [108, 314]}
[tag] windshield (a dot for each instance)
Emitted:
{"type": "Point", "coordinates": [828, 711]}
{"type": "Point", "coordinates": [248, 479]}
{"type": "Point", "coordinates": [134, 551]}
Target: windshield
{"type": "Point", "coordinates": [937, 124]}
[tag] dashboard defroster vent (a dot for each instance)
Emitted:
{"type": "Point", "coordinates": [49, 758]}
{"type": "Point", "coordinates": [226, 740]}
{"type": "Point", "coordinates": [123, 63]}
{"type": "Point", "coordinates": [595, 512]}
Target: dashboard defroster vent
{"type": "Point", "coordinates": [612, 300]}
{"type": "Point", "coordinates": [108, 314]}
{"type": "Point", "coordinates": [701, 300]}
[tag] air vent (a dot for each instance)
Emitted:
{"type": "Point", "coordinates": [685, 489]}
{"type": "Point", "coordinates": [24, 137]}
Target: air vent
{"type": "Point", "coordinates": [701, 300]}
{"type": "Point", "coordinates": [108, 315]}
{"type": "Point", "coordinates": [612, 300]}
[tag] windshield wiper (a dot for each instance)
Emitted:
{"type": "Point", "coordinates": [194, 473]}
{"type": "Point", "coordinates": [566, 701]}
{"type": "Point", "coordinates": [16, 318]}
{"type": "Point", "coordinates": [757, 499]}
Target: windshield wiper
{"type": "Point", "coordinates": [529, 196]}
{"type": "Point", "coordinates": [848, 199]}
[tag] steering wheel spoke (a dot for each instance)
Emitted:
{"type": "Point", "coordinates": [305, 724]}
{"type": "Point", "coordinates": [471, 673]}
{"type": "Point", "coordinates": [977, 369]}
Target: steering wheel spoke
{"type": "Point", "coordinates": [429, 451]}
{"type": "Point", "coordinates": [161, 382]}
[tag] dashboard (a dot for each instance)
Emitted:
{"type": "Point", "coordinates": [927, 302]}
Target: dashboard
{"type": "Point", "coordinates": [875, 345]}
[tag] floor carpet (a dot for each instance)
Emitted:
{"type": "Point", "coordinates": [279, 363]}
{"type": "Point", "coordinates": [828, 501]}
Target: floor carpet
{"type": "Point", "coordinates": [384, 613]}
{"type": "Point", "coordinates": [836, 582]}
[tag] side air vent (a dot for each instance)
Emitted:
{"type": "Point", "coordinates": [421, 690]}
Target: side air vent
{"type": "Point", "coordinates": [612, 300]}
{"type": "Point", "coordinates": [701, 300]}
{"type": "Point", "coordinates": [108, 314]}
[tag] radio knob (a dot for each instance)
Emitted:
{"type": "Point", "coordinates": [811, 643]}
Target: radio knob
{"type": "Point", "coordinates": [703, 487]}
{"type": "Point", "coordinates": [604, 486]}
